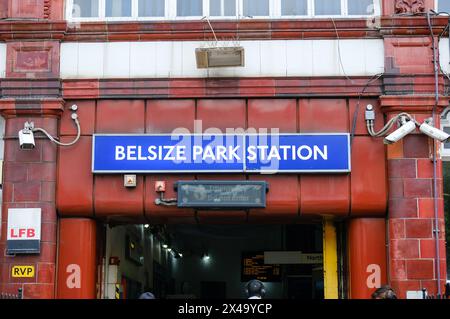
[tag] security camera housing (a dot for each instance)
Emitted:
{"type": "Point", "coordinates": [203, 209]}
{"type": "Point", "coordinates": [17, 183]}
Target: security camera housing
{"type": "Point", "coordinates": [434, 132]}
{"type": "Point", "coordinates": [403, 130]}
{"type": "Point", "coordinates": [26, 139]}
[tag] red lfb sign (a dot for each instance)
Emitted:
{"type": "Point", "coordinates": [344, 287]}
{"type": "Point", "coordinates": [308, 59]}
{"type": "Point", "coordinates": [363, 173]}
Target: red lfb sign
{"type": "Point", "coordinates": [22, 233]}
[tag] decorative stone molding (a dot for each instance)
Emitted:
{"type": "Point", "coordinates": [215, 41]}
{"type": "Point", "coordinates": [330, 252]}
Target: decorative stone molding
{"type": "Point", "coordinates": [32, 60]}
{"type": "Point", "coordinates": [11, 107]}
{"type": "Point", "coordinates": [409, 6]}
{"type": "Point", "coordinates": [47, 9]}
{"type": "Point", "coordinates": [413, 104]}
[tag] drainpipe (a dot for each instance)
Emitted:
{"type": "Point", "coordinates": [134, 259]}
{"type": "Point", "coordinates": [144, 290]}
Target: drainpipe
{"type": "Point", "coordinates": [436, 215]}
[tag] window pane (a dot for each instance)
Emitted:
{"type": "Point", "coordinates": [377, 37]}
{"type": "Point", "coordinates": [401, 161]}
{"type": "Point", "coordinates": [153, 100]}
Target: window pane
{"type": "Point", "coordinates": [256, 8]}
{"type": "Point", "coordinates": [118, 8]}
{"type": "Point", "coordinates": [222, 7]}
{"type": "Point", "coordinates": [360, 7]}
{"type": "Point", "coordinates": [447, 130]}
{"type": "Point", "coordinates": [294, 7]}
{"type": "Point", "coordinates": [189, 8]}
{"type": "Point", "coordinates": [85, 8]}
{"type": "Point", "coordinates": [444, 5]}
{"type": "Point", "coordinates": [327, 7]}
{"type": "Point", "coordinates": [151, 8]}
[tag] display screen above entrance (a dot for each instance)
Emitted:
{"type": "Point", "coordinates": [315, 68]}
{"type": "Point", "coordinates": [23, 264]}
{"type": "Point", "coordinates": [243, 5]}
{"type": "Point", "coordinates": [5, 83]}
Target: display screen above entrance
{"type": "Point", "coordinates": [221, 153]}
{"type": "Point", "coordinates": [222, 194]}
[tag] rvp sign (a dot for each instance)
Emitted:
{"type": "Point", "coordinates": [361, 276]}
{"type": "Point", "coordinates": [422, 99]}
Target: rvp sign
{"type": "Point", "coordinates": [22, 271]}
{"type": "Point", "coordinates": [24, 230]}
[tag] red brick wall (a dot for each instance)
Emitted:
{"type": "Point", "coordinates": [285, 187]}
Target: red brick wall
{"type": "Point", "coordinates": [29, 181]}
{"type": "Point", "coordinates": [413, 263]}
{"type": "Point", "coordinates": [29, 178]}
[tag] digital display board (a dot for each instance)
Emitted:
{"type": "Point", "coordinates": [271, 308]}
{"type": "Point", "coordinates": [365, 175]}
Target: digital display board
{"type": "Point", "coordinates": [253, 267]}
{"type": "Point", "coordinates": [221, 194]}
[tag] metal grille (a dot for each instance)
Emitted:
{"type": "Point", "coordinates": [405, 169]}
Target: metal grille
{"type": "Point", "coordinates": [5, 295]}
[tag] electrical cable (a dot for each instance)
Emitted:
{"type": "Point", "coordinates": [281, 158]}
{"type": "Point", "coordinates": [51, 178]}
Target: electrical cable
{"type": "Point", "coordinates": [205, 17]}
{"type": "Point", "coordinates": [339, 51]}
{"type": "Point", "coordinates": [51, 138]}
{"type": "Point", "coordinates": [356, 112]}
{"type": "Point", "coordinates": [388, 126]}
{"type": "Point", "coordinates": [165, 201]}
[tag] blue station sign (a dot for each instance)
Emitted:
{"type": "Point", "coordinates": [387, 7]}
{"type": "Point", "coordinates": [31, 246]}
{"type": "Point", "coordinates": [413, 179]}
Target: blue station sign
{"type": "Point", "coordinates": [221, 153]}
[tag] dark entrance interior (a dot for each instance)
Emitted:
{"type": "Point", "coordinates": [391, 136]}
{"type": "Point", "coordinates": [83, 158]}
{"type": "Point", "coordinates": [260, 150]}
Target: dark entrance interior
{"type": "Point", "coordinates": [216, 261]}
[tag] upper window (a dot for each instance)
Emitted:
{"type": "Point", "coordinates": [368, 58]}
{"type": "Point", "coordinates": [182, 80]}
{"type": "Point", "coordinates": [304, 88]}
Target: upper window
{"type": "Point", "coordinates": [445, 126]}
{"type": "Point", "coordinates": [222, 8]}
{"type": "Point", "coordinates": [443, 5]}
{"type": "Point", "coordinates": [294, 7]}
{"type": "Point", "coordinates": [85, 8]}
{"type": "Point", "coordinates": [326, 7]}
{"type": "Point", "coordinates": [88, 10]}
{"type": "Point", "coordinates": [151, 8]}
{"type": "Point", "coordinates": [189, 8]}
{"type": "Point", "coordinates": [259, 8]}
{"type": "Point", "coordinates": [361, 7]}
{"type": "Point", "coordinates": [118, 8]}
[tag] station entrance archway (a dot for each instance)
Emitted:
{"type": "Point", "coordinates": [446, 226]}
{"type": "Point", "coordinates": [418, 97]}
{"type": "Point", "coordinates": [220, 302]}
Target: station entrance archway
{"type": "Point", "coordinates": [215, 261]}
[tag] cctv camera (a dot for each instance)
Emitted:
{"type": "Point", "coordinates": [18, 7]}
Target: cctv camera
{"type": "Point", "coordinates": [26, 139]}
{"type": "Point", "coordinates": [403, 130]}
{"type": "Point", "coordinates": [434, 132]}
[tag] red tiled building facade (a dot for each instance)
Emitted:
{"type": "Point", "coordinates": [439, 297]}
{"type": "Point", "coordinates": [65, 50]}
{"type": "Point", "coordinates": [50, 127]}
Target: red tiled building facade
{"type": "Point", "coordinates": [387, 201]}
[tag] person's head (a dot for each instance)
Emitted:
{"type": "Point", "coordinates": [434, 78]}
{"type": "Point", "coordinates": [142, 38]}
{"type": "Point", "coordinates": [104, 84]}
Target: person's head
{"type": "Point", "coordinates": [384, 292]}
{"type": "Point", "coordinates": [147, 295]}
{"type": "Point", "coordinates": [255, 288]}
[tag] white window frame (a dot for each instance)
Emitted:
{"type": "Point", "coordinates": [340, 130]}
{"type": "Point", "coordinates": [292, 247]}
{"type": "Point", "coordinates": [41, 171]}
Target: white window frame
{"type": "Point", "coordinates": [170, 10]}
{"type": "Point", "coordinates": [445, 122]}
